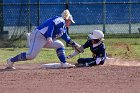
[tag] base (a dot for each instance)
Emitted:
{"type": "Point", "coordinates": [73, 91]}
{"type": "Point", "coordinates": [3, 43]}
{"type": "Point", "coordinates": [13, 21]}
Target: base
{"type": "Point", "coordinates": [52, 65]}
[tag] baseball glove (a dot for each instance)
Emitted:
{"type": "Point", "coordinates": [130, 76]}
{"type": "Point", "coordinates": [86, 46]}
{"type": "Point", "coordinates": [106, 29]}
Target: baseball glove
{"type": "Point", "coordinates": [77, 47]}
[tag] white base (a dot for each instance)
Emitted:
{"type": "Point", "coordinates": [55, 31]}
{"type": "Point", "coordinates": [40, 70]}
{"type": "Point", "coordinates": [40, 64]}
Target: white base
{"type": "Point", "coordinates": [52, 65]}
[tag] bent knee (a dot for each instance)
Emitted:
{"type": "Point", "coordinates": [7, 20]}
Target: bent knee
{"type": "Point", "coordinates": [30, 57]}
{"type": "Point", "coordinates": [59, 45]}
{"type": "Point", "coordinates": [55, 45]}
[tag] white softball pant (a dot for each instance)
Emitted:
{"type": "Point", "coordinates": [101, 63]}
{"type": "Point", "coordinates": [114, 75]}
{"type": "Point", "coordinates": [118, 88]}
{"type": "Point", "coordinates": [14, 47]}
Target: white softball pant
{"type": "Point", "coordinates": [37, 42]}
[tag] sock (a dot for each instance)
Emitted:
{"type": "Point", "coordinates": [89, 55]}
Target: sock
{"type": "Point", "coordinates": [61, 54]}
{"type": "Point", "coordinates": [20, 57]}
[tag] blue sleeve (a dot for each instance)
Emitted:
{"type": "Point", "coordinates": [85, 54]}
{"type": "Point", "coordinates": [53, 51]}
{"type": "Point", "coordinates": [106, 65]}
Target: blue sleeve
{"type": "Point", "coordinates": [50, 29]}
{"type": "Point", "coordinates": [65, 37]}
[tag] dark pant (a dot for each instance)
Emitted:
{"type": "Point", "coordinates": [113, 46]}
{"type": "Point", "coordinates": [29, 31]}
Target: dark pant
{"type": "Point", "coordinates": [89, 61]}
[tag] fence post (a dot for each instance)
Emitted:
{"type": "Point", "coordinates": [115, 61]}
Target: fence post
{"type": "Point", "coordinates": [1, 15]}
{"type": "Point", "coordinates": [67, 4]}
{"type": "Point", "coordinates": [38, 13]}
{"type": "Point", "coordinates": [104, 16]}
{"type": "Point", "coordinates": [29, 21]}
{"type": "Point", "coordinates": [130, 17]}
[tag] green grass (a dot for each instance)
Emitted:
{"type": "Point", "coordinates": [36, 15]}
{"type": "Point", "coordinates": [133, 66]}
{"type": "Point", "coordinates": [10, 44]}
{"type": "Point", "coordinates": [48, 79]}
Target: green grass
{"type": "Point", "coordinates": [126, 48]}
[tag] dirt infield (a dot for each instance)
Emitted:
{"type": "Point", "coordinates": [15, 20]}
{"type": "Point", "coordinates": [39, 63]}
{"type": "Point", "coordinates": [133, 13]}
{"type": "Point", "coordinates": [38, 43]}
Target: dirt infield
{"type": "Point", "coordinates": [115, 77]}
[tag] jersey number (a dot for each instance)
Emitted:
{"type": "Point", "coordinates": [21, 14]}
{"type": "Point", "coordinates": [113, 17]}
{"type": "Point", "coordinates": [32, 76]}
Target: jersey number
{"type": "Point", "coordinates": [58, 20]}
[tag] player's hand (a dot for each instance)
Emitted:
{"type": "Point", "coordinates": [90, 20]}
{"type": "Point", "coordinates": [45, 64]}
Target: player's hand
{"type": "Point", "coordinates": [49, 40]}
{"type": "Point", "coordinates": [77, 47]}
{"type": "Point", "coordinates": [73, 54]}
{"type": "Point", "coordinates": [69, 56]}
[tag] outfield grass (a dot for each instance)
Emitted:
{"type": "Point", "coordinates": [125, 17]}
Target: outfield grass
{"type": "Point", "coordinates": [126, 48]}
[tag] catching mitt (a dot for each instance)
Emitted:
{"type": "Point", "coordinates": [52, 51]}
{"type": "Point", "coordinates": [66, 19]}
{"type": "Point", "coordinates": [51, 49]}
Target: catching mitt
{"type": "Point", "coordinates": [77, 47]}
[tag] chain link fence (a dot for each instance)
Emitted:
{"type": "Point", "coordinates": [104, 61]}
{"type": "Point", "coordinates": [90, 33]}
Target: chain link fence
{"type": "Point", "coordinates": [21, 16]}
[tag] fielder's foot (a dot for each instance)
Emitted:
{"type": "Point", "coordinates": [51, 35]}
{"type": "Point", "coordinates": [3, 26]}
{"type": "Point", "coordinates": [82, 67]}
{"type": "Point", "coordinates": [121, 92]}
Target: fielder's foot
{"type": "Point", "coordinates": [10, 64]}
{"type": "Point", "coordinates": [10, 68]}
{"type": "Point", "coordinates": [67, 65]}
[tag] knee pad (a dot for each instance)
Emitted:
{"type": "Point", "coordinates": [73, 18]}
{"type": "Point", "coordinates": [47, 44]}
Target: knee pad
{"type": "Point", "coordinates": [59, 44]}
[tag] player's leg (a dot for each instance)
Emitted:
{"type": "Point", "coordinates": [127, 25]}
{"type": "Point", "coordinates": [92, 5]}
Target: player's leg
{"type": "Point", "coordinates": [60, 51]}
{"type": "Point", "coordinates": [37, 41]}
{"type": "Point", "coordinates": [86, 62]}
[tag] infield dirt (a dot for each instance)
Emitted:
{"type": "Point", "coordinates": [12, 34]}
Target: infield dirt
{"type": "Point", "coordinates": [113, 77]}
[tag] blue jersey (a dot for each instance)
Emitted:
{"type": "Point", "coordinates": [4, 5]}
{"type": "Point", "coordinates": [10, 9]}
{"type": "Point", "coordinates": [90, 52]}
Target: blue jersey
{"type": "Point", "coordinates": [54, 28]}
{"type": "Point", "coordinates": [97, 52]}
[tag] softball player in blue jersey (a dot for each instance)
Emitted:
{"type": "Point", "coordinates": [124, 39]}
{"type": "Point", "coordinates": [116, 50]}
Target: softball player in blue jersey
{"type": "Point", "coordinates": [45, 36]}
{"type": "Point", "coordinates": [97, 47]}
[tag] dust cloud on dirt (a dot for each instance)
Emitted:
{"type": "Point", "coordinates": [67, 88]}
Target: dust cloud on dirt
{"type": "Point", "coordinates": [122, 62]}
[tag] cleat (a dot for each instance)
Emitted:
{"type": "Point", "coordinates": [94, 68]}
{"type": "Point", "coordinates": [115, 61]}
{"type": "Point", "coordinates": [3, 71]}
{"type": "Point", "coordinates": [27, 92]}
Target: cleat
{"type": "Point", "coordinates": [80, 65]}
{"type": "Point", "coordinates": [10, 64]}
{"type": "Point", "coordinates": [67, 65]}
{"type": "Point", "coordinates": [10, 68]}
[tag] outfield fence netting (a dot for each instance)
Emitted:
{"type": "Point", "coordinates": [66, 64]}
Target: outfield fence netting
{"type": "Point", "coordinates": [22, 16]}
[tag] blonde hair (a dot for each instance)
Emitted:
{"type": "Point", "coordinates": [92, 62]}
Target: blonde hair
{"type": "Point", "coordinates": [65, 14]}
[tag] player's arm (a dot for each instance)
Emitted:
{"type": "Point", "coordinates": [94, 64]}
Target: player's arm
{"type": "Point", "coordinates": [77, 47]}
{"type": "Point", "coordinates": [87, 44]}
{"type": "Point", "coordinates": [50, 32]}
{"type": "Point", "coordinates": [81, 49]}
{"type": "Point", "coordinates": [74, 44]}
{"type": "Point", "coordinates": [65, 35]}
{"type": "Point", "coordinates": [101, 56]}
{"type": "Point", "coordinates": [67, 39]}
{"type": "Point", "coordinates": [76, 52]}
